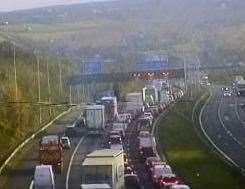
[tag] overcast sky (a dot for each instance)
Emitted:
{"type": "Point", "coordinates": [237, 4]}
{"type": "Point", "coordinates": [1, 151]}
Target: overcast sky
{"type": "Point", "coordinates": [10, 5]}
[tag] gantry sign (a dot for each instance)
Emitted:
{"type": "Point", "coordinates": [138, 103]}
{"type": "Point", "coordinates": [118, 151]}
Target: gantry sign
{"type": "Point", "coordinates": [147, 67]}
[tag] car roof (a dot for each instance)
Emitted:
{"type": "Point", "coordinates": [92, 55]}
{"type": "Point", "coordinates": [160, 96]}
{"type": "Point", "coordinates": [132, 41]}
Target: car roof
{"type": "Point", "coordinates": [50, 138]}
{"type": "Point", "coordinates": [115, 136]}
{"type": "Point", "coordinates": [180, 186]}
{"type": "Point", "coordinates": [144, 132]}
{"type": "Point", "coordinates": [43, 174]}
{"type": "Point", "coordinates": [153, 158]}
{"type": "Point", "coordinates": [65, 137]}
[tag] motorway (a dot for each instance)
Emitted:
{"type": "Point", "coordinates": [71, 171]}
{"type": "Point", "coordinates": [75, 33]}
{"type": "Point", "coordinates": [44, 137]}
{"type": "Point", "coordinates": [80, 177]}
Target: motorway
{"type": "Point", "coordinates": [21, 176]}
{"type": "Point", "coordinates": [223, 120]}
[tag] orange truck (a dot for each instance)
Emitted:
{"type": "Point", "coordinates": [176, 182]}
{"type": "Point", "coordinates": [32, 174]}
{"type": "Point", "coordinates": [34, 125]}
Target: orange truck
{"type": "Point", "coordinates": [50, 152]}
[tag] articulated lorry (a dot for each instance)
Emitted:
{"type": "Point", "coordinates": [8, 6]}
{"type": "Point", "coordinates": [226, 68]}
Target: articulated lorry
{"type": "Point", "coordinates": [134, 103]}
{"type": "Point", "coordinates": [110, 104]}
{"type": "Point", "coordinates": [103, 169]}
{"type": "Point", "coordinates": [95, 119]}
{"type": "Point", "coordinates": [50, 152]}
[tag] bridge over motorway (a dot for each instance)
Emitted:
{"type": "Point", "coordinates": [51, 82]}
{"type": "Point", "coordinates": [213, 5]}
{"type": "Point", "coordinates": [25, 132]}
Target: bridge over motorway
{"type": "Point", "coordinates": [141, 75]}
{"type": "Point", "coordinates": [125, 76]}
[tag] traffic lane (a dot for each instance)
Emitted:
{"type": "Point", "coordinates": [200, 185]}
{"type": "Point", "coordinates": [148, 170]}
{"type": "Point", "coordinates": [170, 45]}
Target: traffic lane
{"type": "Point", "coordinates": [21, 176]}
{"type": "Point", "coordinates": [230, 119]}
{"type": "Point", "coordinates": [240, 108]}
{"type": "Point", "coordinates": [88, 145]}
{"type": "Point", "coordinates": [133, 155]}
{"type": "Point", "coordinates": [218, 134]}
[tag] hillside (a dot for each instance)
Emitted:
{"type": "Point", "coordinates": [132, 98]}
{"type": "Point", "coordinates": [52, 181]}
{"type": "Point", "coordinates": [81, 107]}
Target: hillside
{"type": "Point", "coordinates": [20, 116]}
{"type": "Point", "coordinates": [212, 29]}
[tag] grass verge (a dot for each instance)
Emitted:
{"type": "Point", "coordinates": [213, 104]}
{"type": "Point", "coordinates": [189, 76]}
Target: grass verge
{"type": "Point", "coordinates": [189, 156]}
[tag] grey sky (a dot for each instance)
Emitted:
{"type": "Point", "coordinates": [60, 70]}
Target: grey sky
{"type": "Point", "coordinates": [10, 5]}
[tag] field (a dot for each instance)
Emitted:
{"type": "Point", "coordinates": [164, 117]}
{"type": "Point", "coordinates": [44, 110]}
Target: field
{"type": "Point", "coordinates": [210, 30]}
{"type": "Point", "coordinates": [190, 157]}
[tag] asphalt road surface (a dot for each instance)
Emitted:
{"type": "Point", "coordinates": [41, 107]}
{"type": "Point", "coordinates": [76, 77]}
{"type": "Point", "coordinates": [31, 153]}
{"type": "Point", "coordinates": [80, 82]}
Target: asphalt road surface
{"type": "Point", "coordinates": [223, 121]}
{"type": "Point", "coordinates": [21, 176]}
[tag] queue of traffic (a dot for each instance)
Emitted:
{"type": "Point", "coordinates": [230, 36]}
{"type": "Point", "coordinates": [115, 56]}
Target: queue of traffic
{"type": "Point", "coordinates": [110, 167]}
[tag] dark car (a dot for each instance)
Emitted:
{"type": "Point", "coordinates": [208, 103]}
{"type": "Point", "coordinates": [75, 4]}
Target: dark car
{"type": "Point", "coordinates": [132, 181]}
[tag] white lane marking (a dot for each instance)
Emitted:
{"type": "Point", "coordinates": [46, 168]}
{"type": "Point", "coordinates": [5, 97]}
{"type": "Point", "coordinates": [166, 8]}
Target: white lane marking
{"type": "Point", "coordinates": [70, 163]}
{"type": "Point", "coordinates": [225, 128]}
{"type": "Point", "coordinates": [27, 140]}
{"type": "Point", "coordinates": [210, 140]}
{"type": "Point", "coordinates": [31, 185]}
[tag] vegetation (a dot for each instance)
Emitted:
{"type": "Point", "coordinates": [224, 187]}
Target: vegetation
{"type": "Point", "coordinates": [189, 156]}
{"type": "Point", "coordinates": [211, 29]}
{"type": "Point", "coordinates": [21, 115]}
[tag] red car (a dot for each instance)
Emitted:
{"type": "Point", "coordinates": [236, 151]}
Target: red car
{"type": "Point", "coordinates": [162, 176]}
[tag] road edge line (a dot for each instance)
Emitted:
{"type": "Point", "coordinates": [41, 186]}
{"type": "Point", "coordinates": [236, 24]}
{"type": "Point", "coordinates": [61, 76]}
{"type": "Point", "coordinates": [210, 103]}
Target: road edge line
{"type": "Point", "coordinates": [20, 146]}
{"type": "Point", "coordinates": [209, 139]}
{"type": "Point", "coordinates": [70, 163]}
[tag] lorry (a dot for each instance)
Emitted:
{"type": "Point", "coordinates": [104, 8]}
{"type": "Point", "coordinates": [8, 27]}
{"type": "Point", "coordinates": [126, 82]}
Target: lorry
{"type": "Point", "coordinates": [120, 127]}
{"type": "Point", "coordinates": [134, 103]}
{"type": "Point", "coordinates": [103, 168]}
{"type": "Point", "coordinates": [95, 119]}
{"type": "Point", "coordinates": [239, 85]}
{"type": "Point", "coordinates": [163, 96]}
{"type": "Point", "coordinates": [50, 152]}
{"type": "Point", "coordinates": [110, 104]}
{"type": "Point", "coordinates": [43, 177]}
{"type": "Point", "coordinates": [150, 95]}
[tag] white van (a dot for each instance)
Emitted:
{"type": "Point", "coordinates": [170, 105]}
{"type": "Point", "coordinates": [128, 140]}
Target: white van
{"type": "Point", "coordinates": [44, 177]}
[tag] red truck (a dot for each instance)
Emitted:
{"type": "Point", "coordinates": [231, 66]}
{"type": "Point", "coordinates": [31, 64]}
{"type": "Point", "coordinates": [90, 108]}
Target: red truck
{"type": "Point", "coordinates": [50, 152]}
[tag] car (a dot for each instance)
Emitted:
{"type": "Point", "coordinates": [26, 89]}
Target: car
{"type": "Point", "coordinates": [179, 186]}
{"type": "Point", "coordinates": [227, 92]}
{"type": "Point", "coordinates": [44, 177]}
{"type": "Point", "coordinates": [124, 118]}
{"type": "Point", "coordinates": [128, 170]}
{"type": "Point", "coordinates": [162, 176]}
{"type": "Point", "coordinates": [144, 122]}
{"type": "Point", "coordinates": [146, 152]}
{"type": "Point", "coordinates": [115, 139]}
{"type": "Point", "coordinates": [118, 132]}
{"type": "Point", "coordinates": [132, 181]}
{"type": "Point", "coordinates": [116, 147]}
{"type": "Point", "coordinates": [125, 158]}
{"type": "Point", "coordinates": [151, 161]}
{"type": "Point", "coordinates": [115, 142]}
{"type": "Point", "coordinates": [144, 134]}
{"type": "Point", "coordinates": [148, 115]}
{"type": "Point", "coordinates": [65, 142]}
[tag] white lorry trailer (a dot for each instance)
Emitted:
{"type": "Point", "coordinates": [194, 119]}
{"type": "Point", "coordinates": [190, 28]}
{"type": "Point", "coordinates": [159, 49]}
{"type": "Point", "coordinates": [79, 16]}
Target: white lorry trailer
{"type": "Point", "coordinates": [150, 95]}
{"type": "Point", "coordinates": [95, 119]}
{"type": "Point", "coordinates": [110, 104]}
{"type": "Point", "coordinates": [103, 169]}
{"type": "Point", "coordinates": [134, 103]}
